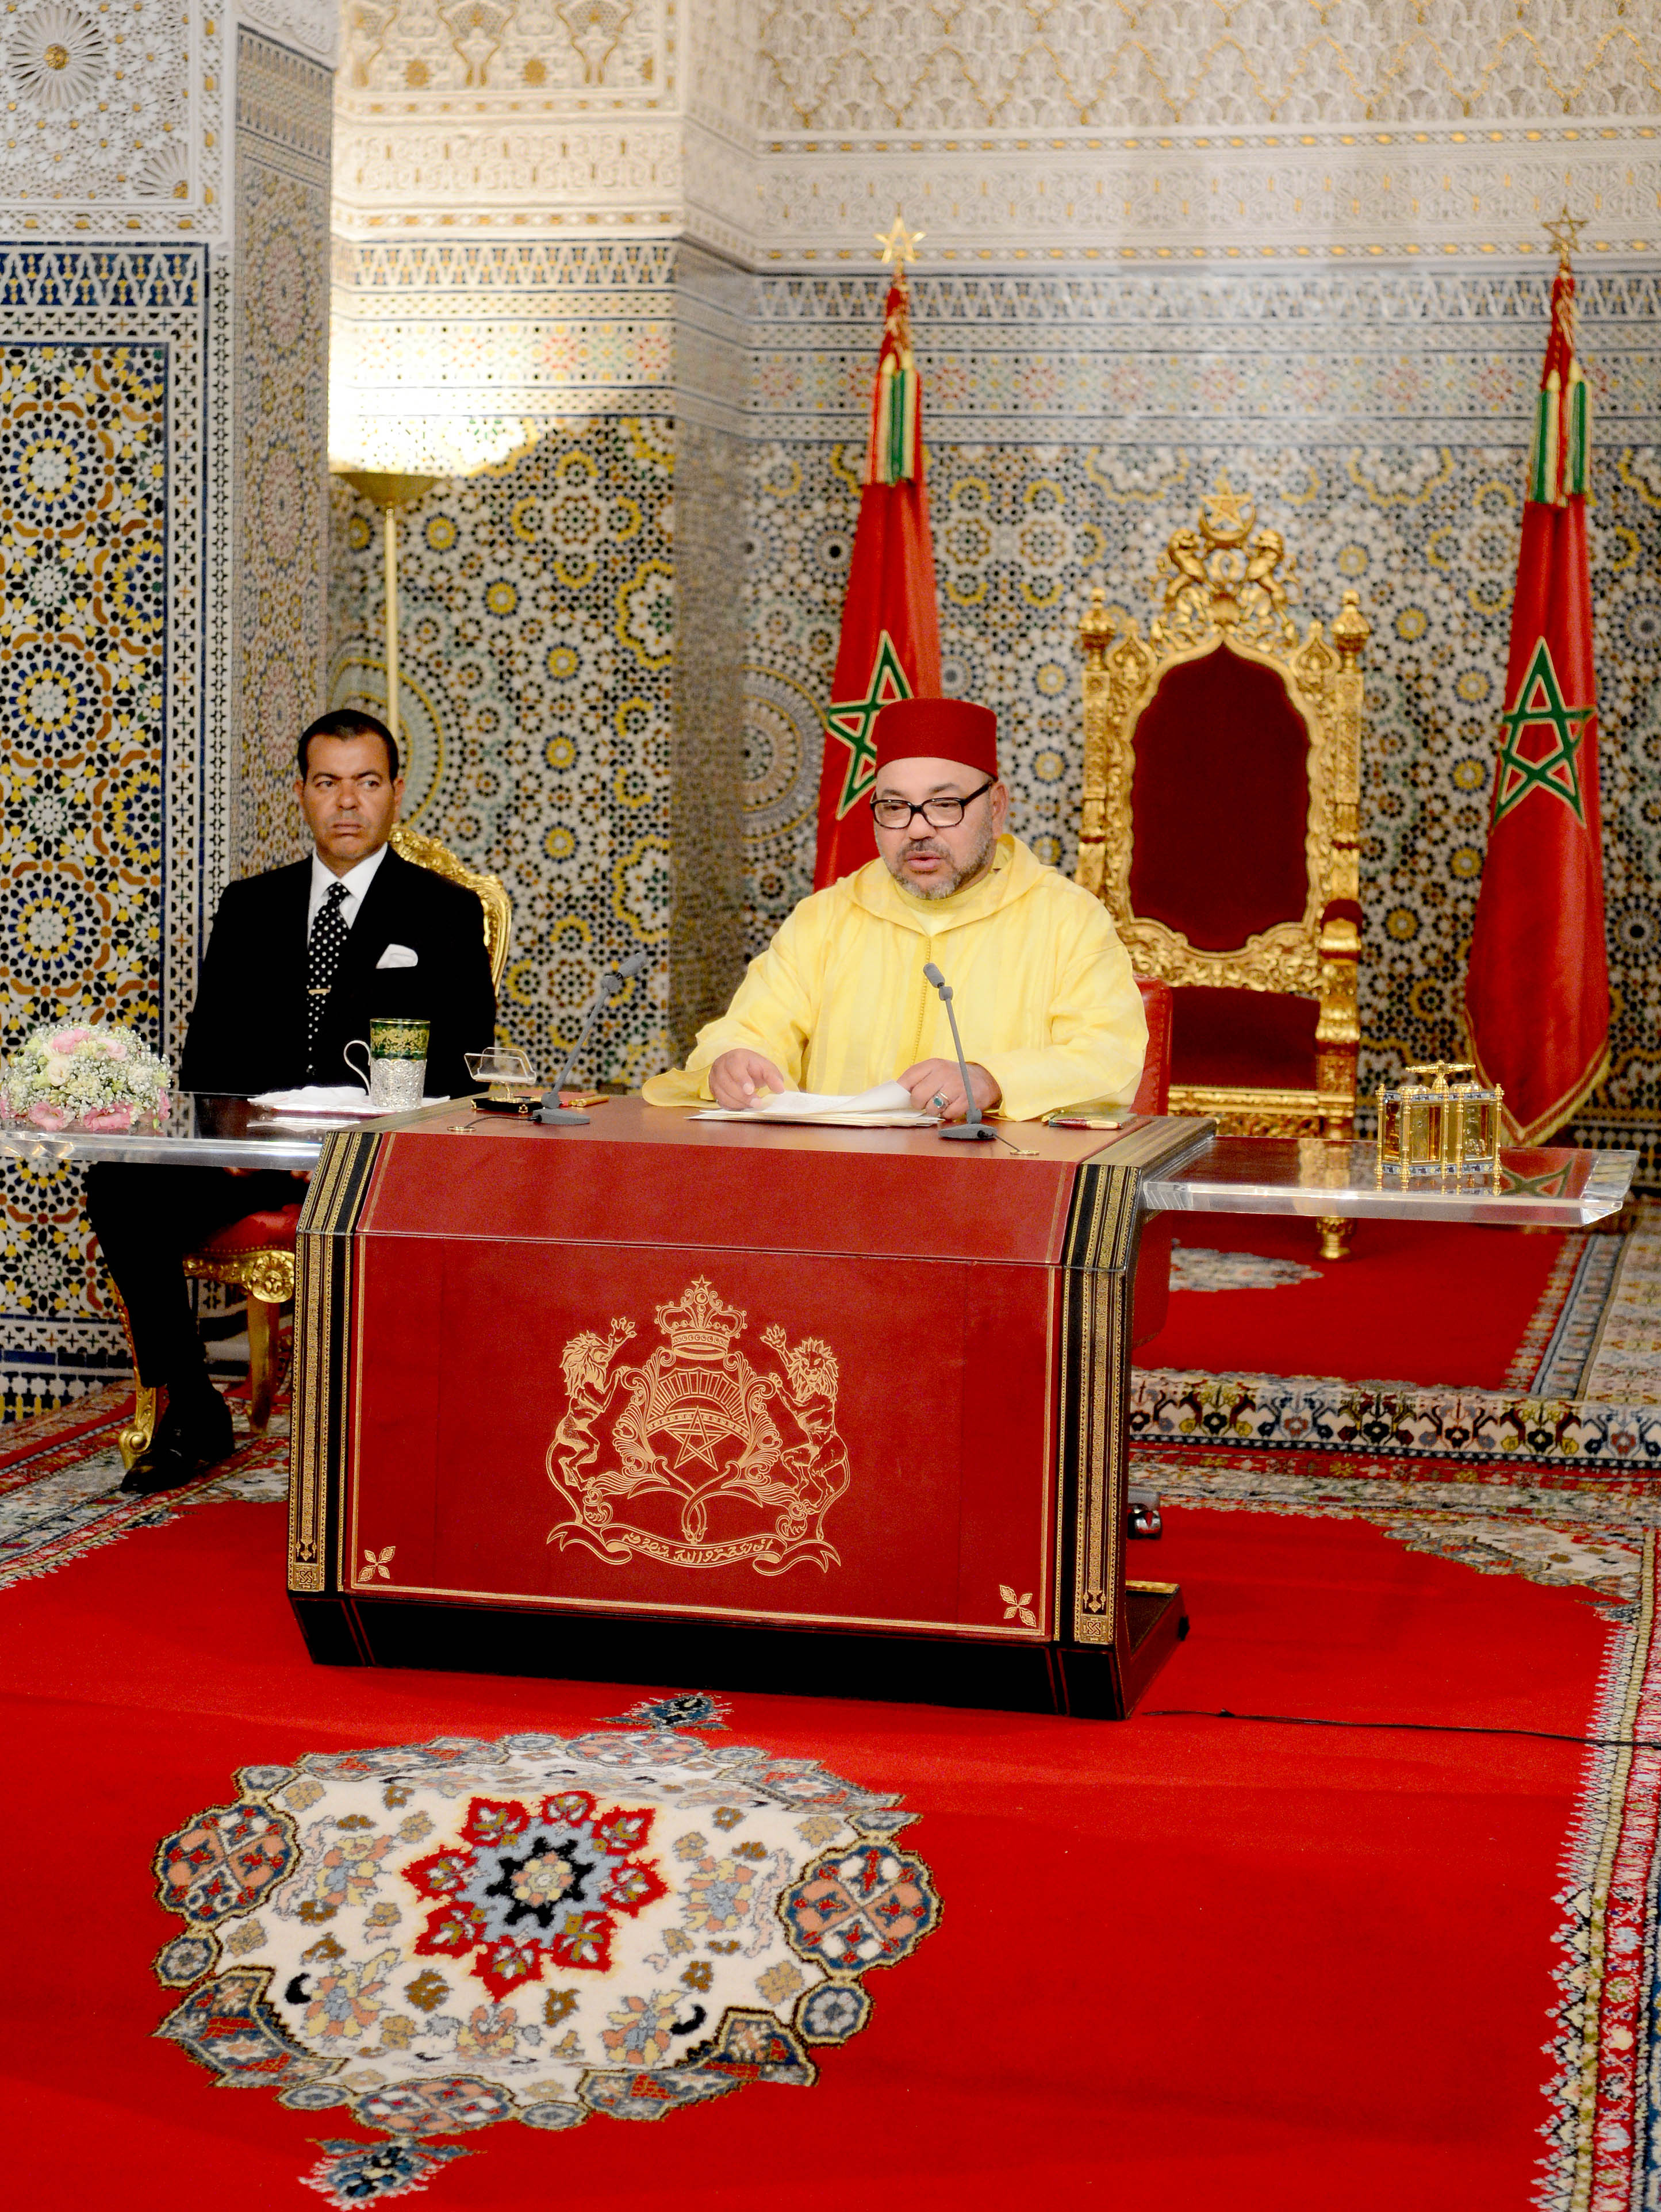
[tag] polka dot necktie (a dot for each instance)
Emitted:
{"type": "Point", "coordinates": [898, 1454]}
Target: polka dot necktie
{"type": "Point", "coordinates": [323, 951]}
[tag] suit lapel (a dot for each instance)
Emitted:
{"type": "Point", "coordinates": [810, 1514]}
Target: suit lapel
{"type": "Point", "coordinates": [291, 892]}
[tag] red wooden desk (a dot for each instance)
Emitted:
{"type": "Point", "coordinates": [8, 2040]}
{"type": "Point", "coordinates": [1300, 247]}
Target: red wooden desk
{"type": "Point", "coordinates": [715, 1405]}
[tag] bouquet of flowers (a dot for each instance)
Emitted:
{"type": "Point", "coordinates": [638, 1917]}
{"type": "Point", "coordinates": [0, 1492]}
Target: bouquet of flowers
{"type": "Point", "coordinates": [95, 1075]}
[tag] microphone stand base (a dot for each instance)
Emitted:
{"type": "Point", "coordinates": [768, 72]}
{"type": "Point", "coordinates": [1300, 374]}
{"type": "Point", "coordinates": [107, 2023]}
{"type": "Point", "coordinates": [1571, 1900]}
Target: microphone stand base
{"type": "Point", "coordinates": [554, 1115]}
{"type": "Point", "coordinates": [969, 1132]}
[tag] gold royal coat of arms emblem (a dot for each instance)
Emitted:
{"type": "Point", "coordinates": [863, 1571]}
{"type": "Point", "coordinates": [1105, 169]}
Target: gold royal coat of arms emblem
{"type": "Point", "coordinates": [695, 1456]}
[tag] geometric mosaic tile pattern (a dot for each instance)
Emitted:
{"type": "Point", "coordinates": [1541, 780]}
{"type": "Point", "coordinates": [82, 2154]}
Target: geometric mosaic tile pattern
{"type": "Point", "coordinates": [283, 107]}
{"type": "Point", "coordinates": [536, 642]}
{"type": "Point", "coordinates": [110, 817]}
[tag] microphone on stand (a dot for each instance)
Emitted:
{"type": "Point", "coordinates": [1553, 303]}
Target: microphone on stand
{"type": "Point", "coordinates": [974, 1125]}
{"type": "Point", "coordinates": [550, 1111]}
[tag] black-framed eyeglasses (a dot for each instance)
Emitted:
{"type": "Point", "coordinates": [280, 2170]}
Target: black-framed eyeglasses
{"type": "Point", "coordinates": [942, 813]}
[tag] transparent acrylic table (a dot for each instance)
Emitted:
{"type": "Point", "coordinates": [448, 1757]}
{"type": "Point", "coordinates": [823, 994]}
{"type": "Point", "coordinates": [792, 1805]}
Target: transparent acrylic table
{"type": "Point", "coordinates": [1544, 1188]}
{"type": "Point", "coordinates": [201, 1130]}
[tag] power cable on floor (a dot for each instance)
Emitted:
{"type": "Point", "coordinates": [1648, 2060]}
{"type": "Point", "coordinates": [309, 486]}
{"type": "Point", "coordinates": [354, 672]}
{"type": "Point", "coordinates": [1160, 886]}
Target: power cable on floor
{"type": "Point", "coordinates": [1411, 1727]}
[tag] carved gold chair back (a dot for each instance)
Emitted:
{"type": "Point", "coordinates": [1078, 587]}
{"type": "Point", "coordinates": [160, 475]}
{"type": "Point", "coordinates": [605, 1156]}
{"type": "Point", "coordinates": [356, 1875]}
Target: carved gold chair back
{"type": "Point", "coordinates": [1220, 823]}
{"type": "Point", "coordinates": [266, 1272]}
{"type": "Point", "coordinates": [490, 890]}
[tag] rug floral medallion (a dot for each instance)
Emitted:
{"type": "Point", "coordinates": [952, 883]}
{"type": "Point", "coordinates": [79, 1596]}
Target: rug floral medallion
{"type": "Point", "coordinates": [428, 1939]}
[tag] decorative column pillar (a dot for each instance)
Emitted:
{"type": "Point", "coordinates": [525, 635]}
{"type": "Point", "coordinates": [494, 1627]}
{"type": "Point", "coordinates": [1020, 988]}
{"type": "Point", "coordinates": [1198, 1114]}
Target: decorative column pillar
{"type": "Point", "coordinates": [163, 231]}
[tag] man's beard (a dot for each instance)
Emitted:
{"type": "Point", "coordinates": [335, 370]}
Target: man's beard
{"type": "Point", "coordinates": [943, 886]}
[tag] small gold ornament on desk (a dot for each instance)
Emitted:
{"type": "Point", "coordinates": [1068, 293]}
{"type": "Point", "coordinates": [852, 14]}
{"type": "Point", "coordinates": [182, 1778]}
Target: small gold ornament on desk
{"type": "Point", "coordinates": [1440, 1123]}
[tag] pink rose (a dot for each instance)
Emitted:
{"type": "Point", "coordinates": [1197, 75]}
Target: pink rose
{"type": "Point", "coordinates": [117, 1047]}
{"type": "Point", "coordinates": [109, 1121]}
{"type": "Point", "coordinates": [67, 1040]}
{"type": "Point", "coordinates": [45, 1116]}
{"type": "Point", "coordinates": [162, 1105]}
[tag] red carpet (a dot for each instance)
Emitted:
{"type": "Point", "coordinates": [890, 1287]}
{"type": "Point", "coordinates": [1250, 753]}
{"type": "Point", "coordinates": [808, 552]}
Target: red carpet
{"type": "Point", "coordinates": [1413, 1301]}
{"type": "Point", "coordinates": [1212, 1961]}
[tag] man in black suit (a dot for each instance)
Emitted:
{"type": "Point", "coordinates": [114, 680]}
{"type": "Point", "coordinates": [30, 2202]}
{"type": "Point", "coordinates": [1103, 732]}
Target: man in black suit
{"type": "Point", "coordinates": [298, 960]}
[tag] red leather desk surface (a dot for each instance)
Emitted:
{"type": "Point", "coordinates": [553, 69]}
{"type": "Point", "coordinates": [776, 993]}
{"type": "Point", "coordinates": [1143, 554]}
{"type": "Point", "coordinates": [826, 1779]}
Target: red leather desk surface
{"type": "Point", "coordinates": [640, 1173]}
{"type": "Point", "coordinates": [498, 1263]}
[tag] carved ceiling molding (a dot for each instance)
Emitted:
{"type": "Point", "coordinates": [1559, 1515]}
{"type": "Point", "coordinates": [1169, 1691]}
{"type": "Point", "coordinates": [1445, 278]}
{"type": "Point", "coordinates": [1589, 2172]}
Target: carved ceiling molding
{"type": "Point", "coordinates": [596, 176]}
{"type": "Point", "coordinates": [1129, 65]}
{"type": "Point", "coordinates": [312, 27]}
{"type": "Point", "coordinates": [468, 58]}
{"type": "Point", "coordinates": [1012, 129]}
{"type": "Point", "coordinates": [1194, 197]}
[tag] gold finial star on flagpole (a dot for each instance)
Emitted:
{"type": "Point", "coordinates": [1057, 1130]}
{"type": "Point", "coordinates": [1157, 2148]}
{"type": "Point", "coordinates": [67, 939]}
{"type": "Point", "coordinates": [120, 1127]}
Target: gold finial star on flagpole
{"type": "Point", "coordinates": [1565, 233]}
{"type": "Point", "coordinates": [899, 245]}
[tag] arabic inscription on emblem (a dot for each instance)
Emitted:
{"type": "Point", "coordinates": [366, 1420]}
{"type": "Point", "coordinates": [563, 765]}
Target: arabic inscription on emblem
{"type": "Point", "coordinates": [695, 1456]}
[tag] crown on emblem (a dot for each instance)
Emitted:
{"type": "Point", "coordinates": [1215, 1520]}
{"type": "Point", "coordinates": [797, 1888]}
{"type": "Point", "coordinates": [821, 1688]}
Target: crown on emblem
{"type": "Point", "coordinates": [700, 1327]}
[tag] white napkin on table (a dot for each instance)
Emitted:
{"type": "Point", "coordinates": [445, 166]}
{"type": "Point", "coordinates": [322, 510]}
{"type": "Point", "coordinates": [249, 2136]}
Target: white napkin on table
{"type": "Point", "coordinates": [327, 1098]}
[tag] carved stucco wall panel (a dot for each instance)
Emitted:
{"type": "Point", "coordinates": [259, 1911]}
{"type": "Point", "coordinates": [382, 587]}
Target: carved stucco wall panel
{"type": "Point", "coordinates": [1209, 64]}
{"type": "Point", "coordinates": [283, 105]}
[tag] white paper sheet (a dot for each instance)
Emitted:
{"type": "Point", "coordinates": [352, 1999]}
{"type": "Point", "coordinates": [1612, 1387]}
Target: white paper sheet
{"type": "Point", "coordinates": [886, 1106]}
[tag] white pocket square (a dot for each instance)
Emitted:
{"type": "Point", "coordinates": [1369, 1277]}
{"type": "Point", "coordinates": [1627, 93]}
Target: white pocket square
{"type": "Point", "coordinates": [398, 955]}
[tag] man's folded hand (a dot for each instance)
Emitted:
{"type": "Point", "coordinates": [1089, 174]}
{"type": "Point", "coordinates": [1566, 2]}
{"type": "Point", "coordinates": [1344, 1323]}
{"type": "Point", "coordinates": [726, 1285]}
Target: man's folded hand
{"type": "Point", "coordinates": [738, 1078]}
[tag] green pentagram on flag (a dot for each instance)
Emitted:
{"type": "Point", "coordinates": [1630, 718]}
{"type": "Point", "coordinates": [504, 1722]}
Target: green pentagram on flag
{"type": "Point", "coordinates": [851, 720]}
{"type": "Point", "coordinates": [1540, 713]}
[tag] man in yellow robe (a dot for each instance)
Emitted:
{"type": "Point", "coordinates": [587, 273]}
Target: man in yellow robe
{"type": "Point", "coordinates": [1044, 994]}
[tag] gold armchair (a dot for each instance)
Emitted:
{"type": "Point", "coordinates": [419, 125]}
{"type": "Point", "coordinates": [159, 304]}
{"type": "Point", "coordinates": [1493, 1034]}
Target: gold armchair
{"type": "Point", "coordinates": [1221, 790]}
{"type": "Point", "coordinates": [256, 1255]}
{"type": "Point", "coordinates": [1220, 826]}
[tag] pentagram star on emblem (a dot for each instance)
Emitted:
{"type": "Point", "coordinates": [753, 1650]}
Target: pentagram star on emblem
{"type": "Point", "coordinates": [1541, 713]}
{"type": "Point", "coordinates": [851, 721]}
{"type": "Point", "coordinates": [697, 1441]}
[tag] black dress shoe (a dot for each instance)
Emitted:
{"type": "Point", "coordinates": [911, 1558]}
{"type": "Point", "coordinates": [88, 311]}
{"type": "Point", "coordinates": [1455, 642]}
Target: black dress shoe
{"type": "Point", "coordinates": [186, 1444]}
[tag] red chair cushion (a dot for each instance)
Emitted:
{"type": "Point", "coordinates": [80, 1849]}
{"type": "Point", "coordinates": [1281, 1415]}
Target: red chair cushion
{"type": "Point", "coordinates": [1249, 1040]}
{"type": "Point", "coordinates": [257, 1232]}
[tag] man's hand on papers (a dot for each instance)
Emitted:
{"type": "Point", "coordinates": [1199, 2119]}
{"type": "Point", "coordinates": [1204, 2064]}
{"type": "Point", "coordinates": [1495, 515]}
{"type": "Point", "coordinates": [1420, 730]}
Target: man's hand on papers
{"type": "Point", "coordinates": [737, 1080]}
{"type": "Point", "coordinates": [933, 1080]}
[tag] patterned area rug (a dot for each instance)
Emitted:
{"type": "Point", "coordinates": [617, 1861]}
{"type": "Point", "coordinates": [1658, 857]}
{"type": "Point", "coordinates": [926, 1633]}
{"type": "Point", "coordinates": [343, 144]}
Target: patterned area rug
{"type": "Point", "coordinates": [1584, 1383]}
{"type": "Point", "coordinates": [60, 1482]}
{"type": "Point", "coordinates": [1605, 2137]}
{"type": "Point", "coordinates": [1573, 1525]}
{"type": "Point", "coordinates": [513, 1919]}
{"type": "Point", "coordinates": [427, 1939]}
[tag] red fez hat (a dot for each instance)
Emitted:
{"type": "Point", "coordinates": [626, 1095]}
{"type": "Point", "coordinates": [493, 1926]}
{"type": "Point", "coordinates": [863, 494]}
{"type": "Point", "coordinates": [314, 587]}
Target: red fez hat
{"type": "Point", "coordinates": [938, 729]}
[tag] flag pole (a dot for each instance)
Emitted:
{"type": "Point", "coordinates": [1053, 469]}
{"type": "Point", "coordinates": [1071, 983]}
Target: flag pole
{"type": "Point", "coordinates": [1536, 999]}
{"type": "Point", "coordinates": [889, 647]}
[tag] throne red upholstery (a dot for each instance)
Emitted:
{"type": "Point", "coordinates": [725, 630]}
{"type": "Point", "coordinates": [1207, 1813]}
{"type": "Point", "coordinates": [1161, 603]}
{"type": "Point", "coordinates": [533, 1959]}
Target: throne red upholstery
{"type": "Point", "coordinates": [1152, 1294]}
{"type": "Point", "coordinates": [1154, 1092]}
{"type": "Point", "coordinates": [273, 1231]}
{"type": "Point", "coordinates": [1219, 822]}
{"type": "Point", "coordinates": [1220, 797]}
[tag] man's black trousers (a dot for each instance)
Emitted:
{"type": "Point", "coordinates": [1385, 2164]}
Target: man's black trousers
{"type": "Point", "coordinates": [146, 1218]}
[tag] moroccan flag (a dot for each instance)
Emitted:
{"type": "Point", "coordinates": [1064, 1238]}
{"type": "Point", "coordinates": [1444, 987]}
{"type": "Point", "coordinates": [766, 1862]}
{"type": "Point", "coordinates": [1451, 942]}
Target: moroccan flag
{"type": "Point", "coordinates": [1538, 991]}
{"type": "Point", "coordinates": [890, 643]}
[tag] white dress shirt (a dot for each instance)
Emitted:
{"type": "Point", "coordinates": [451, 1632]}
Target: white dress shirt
{"type": "Point", "coordinates": [357, 880]}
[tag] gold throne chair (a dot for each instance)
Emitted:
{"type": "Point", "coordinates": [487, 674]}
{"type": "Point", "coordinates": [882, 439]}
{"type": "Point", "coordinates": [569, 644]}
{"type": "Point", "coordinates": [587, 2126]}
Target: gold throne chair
{"type": "Point", "coordinates": [256, 1255]}
{"type": "Point", "coordinates": [1221, 798]}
